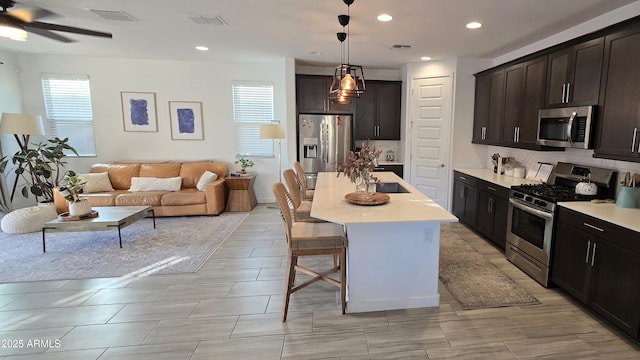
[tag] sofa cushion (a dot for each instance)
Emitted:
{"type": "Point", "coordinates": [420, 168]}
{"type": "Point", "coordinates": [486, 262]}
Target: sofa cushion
{"type": "Point", "coordinates": [192, 171]}
{"type": "Point", "coordinates": [160, 170]}
{"type": "Point", "coordinates": [206, 178]}
{"type": "Point", "coordinates": [146, 198]}
{"type": "Point", "coordinates": [103, 199]}
{"type": "Point", "coordinates": [119, 174]}
{"type": "Point", "coordinates": [155, 184]}
{"type": "Point", "coordinates": [184, 197]}
{"type": "Point", "coordinates": [96, 182]}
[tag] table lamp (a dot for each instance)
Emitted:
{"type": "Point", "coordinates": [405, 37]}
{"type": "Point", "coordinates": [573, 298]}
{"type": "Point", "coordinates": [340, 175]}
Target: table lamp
{"type": "Point", "coordinates": [24, 125]}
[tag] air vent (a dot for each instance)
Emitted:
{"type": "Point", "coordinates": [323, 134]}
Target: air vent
{"type": "Point", "coordinates": [400, 47]}
{"type": "Point", "coordinates": [114, 15]}
{"type": "Point", "coordinates": [208, 20]}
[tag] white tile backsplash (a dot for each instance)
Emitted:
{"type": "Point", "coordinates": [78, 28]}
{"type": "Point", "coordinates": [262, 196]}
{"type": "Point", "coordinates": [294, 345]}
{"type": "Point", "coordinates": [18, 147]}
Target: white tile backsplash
{"type": "Point", "coordinates": [384, 146]}
{"type": "Point", "coordinates": [529, 158]}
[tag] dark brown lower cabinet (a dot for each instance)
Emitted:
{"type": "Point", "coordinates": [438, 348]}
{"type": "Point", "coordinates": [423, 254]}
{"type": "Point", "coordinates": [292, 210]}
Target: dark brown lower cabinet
{"type": "Point", "coordinates": [465, 196]}
{"type": "Point", "coordinates": [599, 263]}
{"type": "Point", "coordinates": [492, 212]}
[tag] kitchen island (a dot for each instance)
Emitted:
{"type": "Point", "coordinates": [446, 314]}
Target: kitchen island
{"type": "Point", "coordinates": [393, 249]}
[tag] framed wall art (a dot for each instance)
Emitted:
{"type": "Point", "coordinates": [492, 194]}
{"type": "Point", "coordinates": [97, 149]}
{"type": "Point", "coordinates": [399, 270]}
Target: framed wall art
{"type": "Point", "coordinates": [186, 120]}
{"type": "Point", "coordinates": [139, 111]}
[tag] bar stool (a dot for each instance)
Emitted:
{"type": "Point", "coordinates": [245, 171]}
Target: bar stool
{"type": "Point", "coordinates": [302, 208]}
{"type": "Point", "coordinates": [302, 179]}
{"type": "Point", "coordinates": [310, 239]}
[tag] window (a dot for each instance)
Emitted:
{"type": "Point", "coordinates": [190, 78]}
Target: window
{"type": "Point", "coordinates": [252, 107]}
{"type": "Point", "coordinates": [67, 100]}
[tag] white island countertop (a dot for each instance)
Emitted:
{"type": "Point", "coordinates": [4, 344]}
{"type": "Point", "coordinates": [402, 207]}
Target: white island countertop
{"type": "Point", "coordinates": [329, 203]}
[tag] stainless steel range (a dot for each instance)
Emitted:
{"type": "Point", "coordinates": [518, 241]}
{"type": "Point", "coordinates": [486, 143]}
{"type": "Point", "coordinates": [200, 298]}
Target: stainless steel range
{"type": "Point", "coordinates": [532, 211]}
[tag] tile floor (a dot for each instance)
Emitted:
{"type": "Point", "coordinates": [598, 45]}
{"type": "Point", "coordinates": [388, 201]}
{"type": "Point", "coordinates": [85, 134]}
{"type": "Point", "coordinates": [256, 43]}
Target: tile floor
{"type": "Point", "coordinates": [231, 308]}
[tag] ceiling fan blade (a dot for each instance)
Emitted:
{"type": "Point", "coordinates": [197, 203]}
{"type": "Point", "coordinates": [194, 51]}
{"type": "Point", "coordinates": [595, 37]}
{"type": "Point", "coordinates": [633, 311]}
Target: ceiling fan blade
{"type": "Point", "coordinates": [48, 34]}
{"type": "Point", "coordinates": [64, 28]}
{"type": "Point", "coordinates": [29, 14]}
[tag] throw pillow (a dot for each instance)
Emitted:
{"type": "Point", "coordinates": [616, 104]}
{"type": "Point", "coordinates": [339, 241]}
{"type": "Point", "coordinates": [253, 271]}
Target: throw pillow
{"type": "Point", "coordinates": [96, 182]}
{"type": "Point", "coordinates": [155, 184]}
{"type": "Point", "coordinates": [206, 178]}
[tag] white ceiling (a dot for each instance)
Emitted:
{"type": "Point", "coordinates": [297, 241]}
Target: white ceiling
{"type": "Point", "coordinates": [269, 30]}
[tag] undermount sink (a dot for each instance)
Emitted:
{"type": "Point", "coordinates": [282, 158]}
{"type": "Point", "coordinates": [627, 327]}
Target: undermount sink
{"type": "Point", "coordinates": [390, 188]}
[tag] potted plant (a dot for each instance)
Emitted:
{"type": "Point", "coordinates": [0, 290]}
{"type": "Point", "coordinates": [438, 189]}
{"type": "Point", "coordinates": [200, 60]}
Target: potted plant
{"type": "Point", "coordinates": [70, 188]}
{"type": "Point", "coordinates": [359, 169]}
{"type": "Point", "coordinates": [244, 164]}
{"type": "Point", "coordinates": [41, 168]}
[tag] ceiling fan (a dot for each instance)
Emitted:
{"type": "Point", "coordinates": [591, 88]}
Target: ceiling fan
{"type": "Point", "coordinates": [15, 24]}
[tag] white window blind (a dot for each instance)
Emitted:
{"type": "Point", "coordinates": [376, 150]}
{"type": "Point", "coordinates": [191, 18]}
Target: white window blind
{"type": "Point", "coordinates": [67, 100]}
{"type": "Point", "coordinates": [252, 107]}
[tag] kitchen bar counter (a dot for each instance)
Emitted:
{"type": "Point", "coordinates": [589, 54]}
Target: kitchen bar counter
{"type": "Point", "coordinates": [394, 248]}
{"type": "Point", "coordinates": [627, 218]}
{"type": "Point", "coordinates": [502, 180]}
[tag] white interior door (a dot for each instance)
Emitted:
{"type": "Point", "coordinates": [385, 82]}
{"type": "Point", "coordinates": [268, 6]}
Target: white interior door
{"type": "Point", "coordinates": [431, 136]}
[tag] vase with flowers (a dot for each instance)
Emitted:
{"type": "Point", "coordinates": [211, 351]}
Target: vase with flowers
{"type": "Point", "coordinates": [628, 191]}
{"type": "Point", "coordinates": [359, 169]}
{"type": "Point", "coordinates": [71, 187]}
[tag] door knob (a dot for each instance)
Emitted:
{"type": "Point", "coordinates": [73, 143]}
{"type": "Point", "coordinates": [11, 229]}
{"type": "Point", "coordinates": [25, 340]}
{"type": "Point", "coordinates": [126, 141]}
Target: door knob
{"type": "Point", "coordinates": [441, 165]}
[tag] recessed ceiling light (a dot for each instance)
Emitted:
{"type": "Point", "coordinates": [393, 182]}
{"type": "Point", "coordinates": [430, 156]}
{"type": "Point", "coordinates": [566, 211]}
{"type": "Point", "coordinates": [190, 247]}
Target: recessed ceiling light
{"type": "Point", "coordinates": [474, 25]}
{"type": "Point", "coordinates": [202, 48]}
{"type": "Point", "coordinates": [425, 58]}
{"type": "Point", "coordinates": [385, 17]}
{"type": "Point", "coordinates": [315, 53]}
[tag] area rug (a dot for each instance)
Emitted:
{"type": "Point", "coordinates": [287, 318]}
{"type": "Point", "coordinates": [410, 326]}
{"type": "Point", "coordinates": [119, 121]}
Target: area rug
{"type": "Point", "coordinates": [473, 280]}
{"type": "Point", "coordinates": [177, 245]}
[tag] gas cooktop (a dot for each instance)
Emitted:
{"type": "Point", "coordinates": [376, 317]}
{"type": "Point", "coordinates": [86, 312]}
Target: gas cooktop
{"type": "Point", "coordinates": [552, 193]}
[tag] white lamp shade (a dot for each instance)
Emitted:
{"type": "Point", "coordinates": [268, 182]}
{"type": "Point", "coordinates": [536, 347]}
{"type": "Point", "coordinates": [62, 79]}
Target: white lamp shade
{"type": "Point", "coordinates": [274, 131]}
{"type": "Point", "coordinates": [21, 124]}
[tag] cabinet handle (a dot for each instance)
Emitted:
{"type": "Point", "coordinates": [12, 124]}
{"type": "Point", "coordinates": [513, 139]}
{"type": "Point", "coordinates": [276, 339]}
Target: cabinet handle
{"type": "Point", "coordinates": [564, 92]}
{"type": "Point", "coordinates": [515, 134]}
{"type": "Point", "coordinates": [568, 93]}
{"type": "Point", "coordinates": [593, 254]}
{"type": "Point", "coordinates": [586, 257]}
{"type": "Point", "coordinates": [633, 144]}
{"type": "Point", "coordinates": [518, 133]}
{"type": "Point", "coordinates": [593, 227]}
{"type": "Point", "coordinates": [491, 201]}
{"type": "Point", "coordinates": [492, 189]}
{"type": "Point", "coordinates": [462, 178]}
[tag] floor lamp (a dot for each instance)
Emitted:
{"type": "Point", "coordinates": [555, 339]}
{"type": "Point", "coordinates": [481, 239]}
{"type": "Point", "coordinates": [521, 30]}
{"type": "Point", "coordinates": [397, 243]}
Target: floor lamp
{"type": "Point", "coordinates": [274, 132]}
{"type": "Point", "coordinates": [22, 127]}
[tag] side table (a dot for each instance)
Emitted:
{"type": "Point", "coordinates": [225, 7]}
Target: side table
{"type": "Point", "coordinates": [242, 197]}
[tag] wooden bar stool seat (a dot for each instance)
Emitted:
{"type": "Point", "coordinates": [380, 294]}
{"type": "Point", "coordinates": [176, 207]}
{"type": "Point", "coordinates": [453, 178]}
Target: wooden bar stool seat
{"type": "Point", "coordinates": [302, 208]}
{"type": "Point", "coordinates": [302, 179]}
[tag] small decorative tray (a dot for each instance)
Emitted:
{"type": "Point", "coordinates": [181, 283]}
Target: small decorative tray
{"type": "Point", "coordinates": [362, 199]}
{"type": "Point", "coordinates": [66, 217]}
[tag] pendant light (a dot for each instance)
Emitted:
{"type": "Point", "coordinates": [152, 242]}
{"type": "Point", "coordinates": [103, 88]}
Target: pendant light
{"type": "Point", "coordinates": [348, 79]}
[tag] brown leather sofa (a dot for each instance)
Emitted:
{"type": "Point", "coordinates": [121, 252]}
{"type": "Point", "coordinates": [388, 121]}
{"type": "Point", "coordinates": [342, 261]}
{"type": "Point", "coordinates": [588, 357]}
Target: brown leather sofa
{"type": "Point", "coordinates": [187, 201]}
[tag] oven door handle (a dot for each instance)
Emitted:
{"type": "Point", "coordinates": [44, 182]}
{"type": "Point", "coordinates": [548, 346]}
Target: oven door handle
{"type": "Point", "coordinates": [542, 214]}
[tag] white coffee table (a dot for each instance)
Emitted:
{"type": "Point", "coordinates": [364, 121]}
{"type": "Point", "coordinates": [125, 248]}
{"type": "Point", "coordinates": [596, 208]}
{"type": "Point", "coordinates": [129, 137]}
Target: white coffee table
{"type": "Point", "coordinates": [109, 217]}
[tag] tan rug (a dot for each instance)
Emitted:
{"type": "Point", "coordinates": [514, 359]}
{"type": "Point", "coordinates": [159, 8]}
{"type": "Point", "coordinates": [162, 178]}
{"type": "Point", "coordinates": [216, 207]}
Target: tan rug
{"type": "Point", "coordinates": [473, 280]}
{"type": "Point", "coordinates": [177, 245]}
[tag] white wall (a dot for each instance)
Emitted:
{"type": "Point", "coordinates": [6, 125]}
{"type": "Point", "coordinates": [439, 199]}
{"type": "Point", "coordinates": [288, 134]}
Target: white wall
{"type": "Point", "coordinates": [10, 102]}
{"type": "Point", "coordinates": [209, 83]}
{"type": "Point", "coordinates": [600, 22]}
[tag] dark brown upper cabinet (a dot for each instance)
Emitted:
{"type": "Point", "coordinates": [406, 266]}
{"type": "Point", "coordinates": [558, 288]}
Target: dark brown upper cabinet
{"type": "Point", "coordinates": [312, 96]}
{"type": "Point", "coordinates": [618, 127]}
{"type": "Point", "coordinates": [573, 75]}
{"type": "Point", "coordinates": [378, 111]}
{"type": "Point", "coordinates": [489, 107]}
{"type": "Point", "coordinates": [524, 97]}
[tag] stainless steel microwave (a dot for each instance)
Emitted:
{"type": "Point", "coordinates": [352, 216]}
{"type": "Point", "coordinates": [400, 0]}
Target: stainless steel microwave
{"type": "Point", "coordinates": [570, 127]}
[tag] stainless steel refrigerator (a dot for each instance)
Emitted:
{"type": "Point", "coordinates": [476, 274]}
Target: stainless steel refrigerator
{"type": "Point", "coordinates": [324, 141]}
